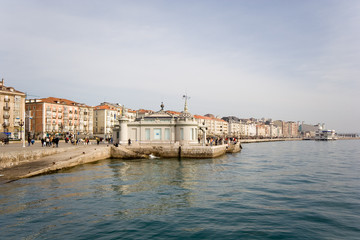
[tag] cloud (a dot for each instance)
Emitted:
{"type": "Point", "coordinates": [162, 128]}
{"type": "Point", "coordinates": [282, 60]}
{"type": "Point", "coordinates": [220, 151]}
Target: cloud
{"type": "Point", "coordinates": [255, 58]}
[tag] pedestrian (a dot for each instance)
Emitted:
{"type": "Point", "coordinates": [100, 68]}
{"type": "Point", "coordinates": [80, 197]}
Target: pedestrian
{"type": "Point", "coordinates": [129, 141]}
{"type": "Point", "coordinates": [29, 141]}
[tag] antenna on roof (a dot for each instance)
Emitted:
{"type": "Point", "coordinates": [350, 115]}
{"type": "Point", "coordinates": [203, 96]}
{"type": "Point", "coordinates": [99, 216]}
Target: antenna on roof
{"type": "Point", "coordinates": [29, 95]}
{"type": "Point", "coordinates": [186, 97]}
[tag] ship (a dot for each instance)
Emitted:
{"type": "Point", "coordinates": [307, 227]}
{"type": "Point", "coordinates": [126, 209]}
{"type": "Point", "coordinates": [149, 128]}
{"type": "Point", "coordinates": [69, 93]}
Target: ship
{"type": "Point", "coordinates": [323, 134]}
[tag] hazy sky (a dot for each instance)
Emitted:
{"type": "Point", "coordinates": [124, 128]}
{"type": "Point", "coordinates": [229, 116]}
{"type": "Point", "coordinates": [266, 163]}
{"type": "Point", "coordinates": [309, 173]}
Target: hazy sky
{"type": "Point", "coordinates": [289, 59]}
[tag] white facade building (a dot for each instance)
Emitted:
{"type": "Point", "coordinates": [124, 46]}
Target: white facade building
{"type": "Point", "coordinates": [157, 128]}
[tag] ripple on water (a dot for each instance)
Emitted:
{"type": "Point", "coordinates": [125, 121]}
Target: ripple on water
{"type": "Point", "coordinates": [287, 190]}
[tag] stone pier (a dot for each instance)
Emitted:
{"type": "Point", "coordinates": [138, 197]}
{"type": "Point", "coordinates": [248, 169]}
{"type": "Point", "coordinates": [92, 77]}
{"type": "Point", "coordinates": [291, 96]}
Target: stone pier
{"type": "Point", "coordinates": [20, 162]}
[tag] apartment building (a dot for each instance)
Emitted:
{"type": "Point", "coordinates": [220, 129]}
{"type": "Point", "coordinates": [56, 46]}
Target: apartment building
{"type": "Point", "coordinates": [105, 118]}
{"type": "Point", "coordinates": [215, 126]}
{"type": "Point", "coordinates": [12, 111]}
{"type": "Point", "coordinates": [48, 116]}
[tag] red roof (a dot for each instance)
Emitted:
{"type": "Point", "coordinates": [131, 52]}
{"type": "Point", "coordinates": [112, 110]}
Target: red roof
{"type": "Point", "coordinates": [209, 118]}
{"type": "Point", "coordinates": [100, 107]}
{"type": "Point", "coordinates": [145, 111]}
{"type": "Point", "coordinates": [173, 112]}
{"type": "Point", "coordinates": [62, 101]}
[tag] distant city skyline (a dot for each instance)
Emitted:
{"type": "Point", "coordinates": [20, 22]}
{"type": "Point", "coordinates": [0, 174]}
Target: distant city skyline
{"type": "Point", "coordinates": [288, 60]}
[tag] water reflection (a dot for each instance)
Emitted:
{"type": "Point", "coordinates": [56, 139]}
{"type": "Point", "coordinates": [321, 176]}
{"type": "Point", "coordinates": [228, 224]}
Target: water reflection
{"type": "Point", "coordinates": [290, 184]}
{"type": "Point", "coordinates": [165, 183]}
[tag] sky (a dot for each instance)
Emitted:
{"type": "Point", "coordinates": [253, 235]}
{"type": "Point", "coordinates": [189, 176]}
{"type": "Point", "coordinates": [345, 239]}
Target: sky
{"type": "Point", "coordinates": [280, 59]}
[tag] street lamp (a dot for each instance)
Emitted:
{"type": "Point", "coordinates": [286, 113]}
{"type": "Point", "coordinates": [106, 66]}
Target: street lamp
{"type": "Point", "coordinates": [22, 132]}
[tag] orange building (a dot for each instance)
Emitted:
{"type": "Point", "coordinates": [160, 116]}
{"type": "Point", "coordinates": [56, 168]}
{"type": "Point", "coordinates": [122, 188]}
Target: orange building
{"type": "Point", "coordinates": [58, 116]}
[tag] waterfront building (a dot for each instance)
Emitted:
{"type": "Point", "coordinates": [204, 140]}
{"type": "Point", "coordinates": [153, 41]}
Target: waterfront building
{"type": "Point", "coordinates": [234, 126]}
{"type": "Point", "coordinates": [48, 116]}
{"type": "Point", "coordinates": [12, 111]}
{"type": "Point", "coordinates": [289, 129]}
{"type": "Point", "coordinates": [247, 128]}
{"type": "Point", "coordinates": [260, 130]}
{"type": "Point", "coordinates": [157, 128]}
{"type": "Point", "coordinates": [216, 127]}
{"type": "Point", "coordinates": [105, 118]}
{"type": "Point", "coordinates": [275, 131]}
{"type": "Point", "coordinates": [293, 129]}
{"type": "Point", "coordinates": [234, 129]}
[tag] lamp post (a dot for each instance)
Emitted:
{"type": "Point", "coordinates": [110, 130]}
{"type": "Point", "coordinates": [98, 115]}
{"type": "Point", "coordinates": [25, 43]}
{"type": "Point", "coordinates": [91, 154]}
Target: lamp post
{"type": "Point", "coordinates": [22, 132]}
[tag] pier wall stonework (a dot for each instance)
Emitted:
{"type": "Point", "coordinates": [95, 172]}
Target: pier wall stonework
{"type": "Point", "coordinates": [10, 159]}
{"type": "Point", "coordinates": [176, 151]}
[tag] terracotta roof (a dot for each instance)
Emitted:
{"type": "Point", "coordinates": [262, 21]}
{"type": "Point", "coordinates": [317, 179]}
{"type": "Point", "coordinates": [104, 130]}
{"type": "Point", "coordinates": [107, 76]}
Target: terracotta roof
{"type": "Point", "coordinates": [145, 111]}
{"type": "Point", "coordinates": [100, 107]}
{"type": "Point", "coordinates": [63, 101]}
{"type": "Point", "coordinates": [209, 118]}
{"type": "Point", "coordinates": [173, 112]}
{"type": "Point", "coordinates": [202, 117]}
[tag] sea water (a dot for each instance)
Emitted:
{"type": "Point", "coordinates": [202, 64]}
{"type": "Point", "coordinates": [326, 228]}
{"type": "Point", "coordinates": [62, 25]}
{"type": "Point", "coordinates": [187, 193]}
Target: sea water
{"type": "Point", "coordinates": [278, 190]}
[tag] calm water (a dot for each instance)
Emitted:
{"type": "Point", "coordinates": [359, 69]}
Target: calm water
{"type": "Point", "coordinates": [282, 190]}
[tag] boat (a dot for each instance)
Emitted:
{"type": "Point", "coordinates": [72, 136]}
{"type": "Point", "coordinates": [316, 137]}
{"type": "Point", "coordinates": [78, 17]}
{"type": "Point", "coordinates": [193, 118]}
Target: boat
{"type": "Point", "coordinates": [323, 134]}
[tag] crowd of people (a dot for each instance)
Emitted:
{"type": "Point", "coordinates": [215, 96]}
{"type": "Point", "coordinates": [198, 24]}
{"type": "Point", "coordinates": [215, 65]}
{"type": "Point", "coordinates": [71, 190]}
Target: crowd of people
{"type": "Point", "coordinates": [214, 141]}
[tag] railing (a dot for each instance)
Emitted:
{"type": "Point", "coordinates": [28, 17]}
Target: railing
{"type": "Point", "coordinates": [6, 124]}
{"type": "Point", "coordinates": [6, 108]}
{"type": "Point", "coordinates": [6, 116]}
{"type": "Point", "coordinates": [6, 99]}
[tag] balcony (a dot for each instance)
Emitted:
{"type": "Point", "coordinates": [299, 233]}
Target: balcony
{"type": "Point", "coordinates": [6, 116]}
{"type": "Point", "coordinates": [6, 108]}
{"type": "Point", "coordinates": [6, 124]}
{"type": "Point", "coordinates": [6, 99]}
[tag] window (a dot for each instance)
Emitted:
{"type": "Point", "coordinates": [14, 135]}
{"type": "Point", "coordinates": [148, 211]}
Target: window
{"type": "Point", "coordinates": [157, 133]}
{"type": "Point", "coordinates": [182, 133]}
{"type": "Point", "coordinates": [192, 134]}
{"type": "Point", "coordinates": [167, 133]}
{"type": "Point", "coordinates": [147, 133]}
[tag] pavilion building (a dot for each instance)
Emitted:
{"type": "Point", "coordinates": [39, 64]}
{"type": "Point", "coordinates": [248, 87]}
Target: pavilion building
{"type": "Point", "coordinates": [158, 128]}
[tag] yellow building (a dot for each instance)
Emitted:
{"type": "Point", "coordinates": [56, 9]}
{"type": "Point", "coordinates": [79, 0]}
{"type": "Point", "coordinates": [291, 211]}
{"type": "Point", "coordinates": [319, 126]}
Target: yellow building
{"type": "Point", "coordinates": [12, 111]}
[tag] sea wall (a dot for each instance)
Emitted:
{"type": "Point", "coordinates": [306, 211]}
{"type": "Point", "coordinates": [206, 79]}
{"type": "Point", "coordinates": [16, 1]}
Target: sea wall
{"type": "Point", "coordinates": [269, 140]}
{"type": "Point", "coordinates": [176, 151]}
{"type": "Point", "coordinates": [91, 155]}
{"type": "Point", "coordinates": [234, 148]}
{"type": "Point", "coordinates": [9, 159]}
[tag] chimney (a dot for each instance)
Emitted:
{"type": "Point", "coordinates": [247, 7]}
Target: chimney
{"type": "Point", "coordinates": [2, 83]}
